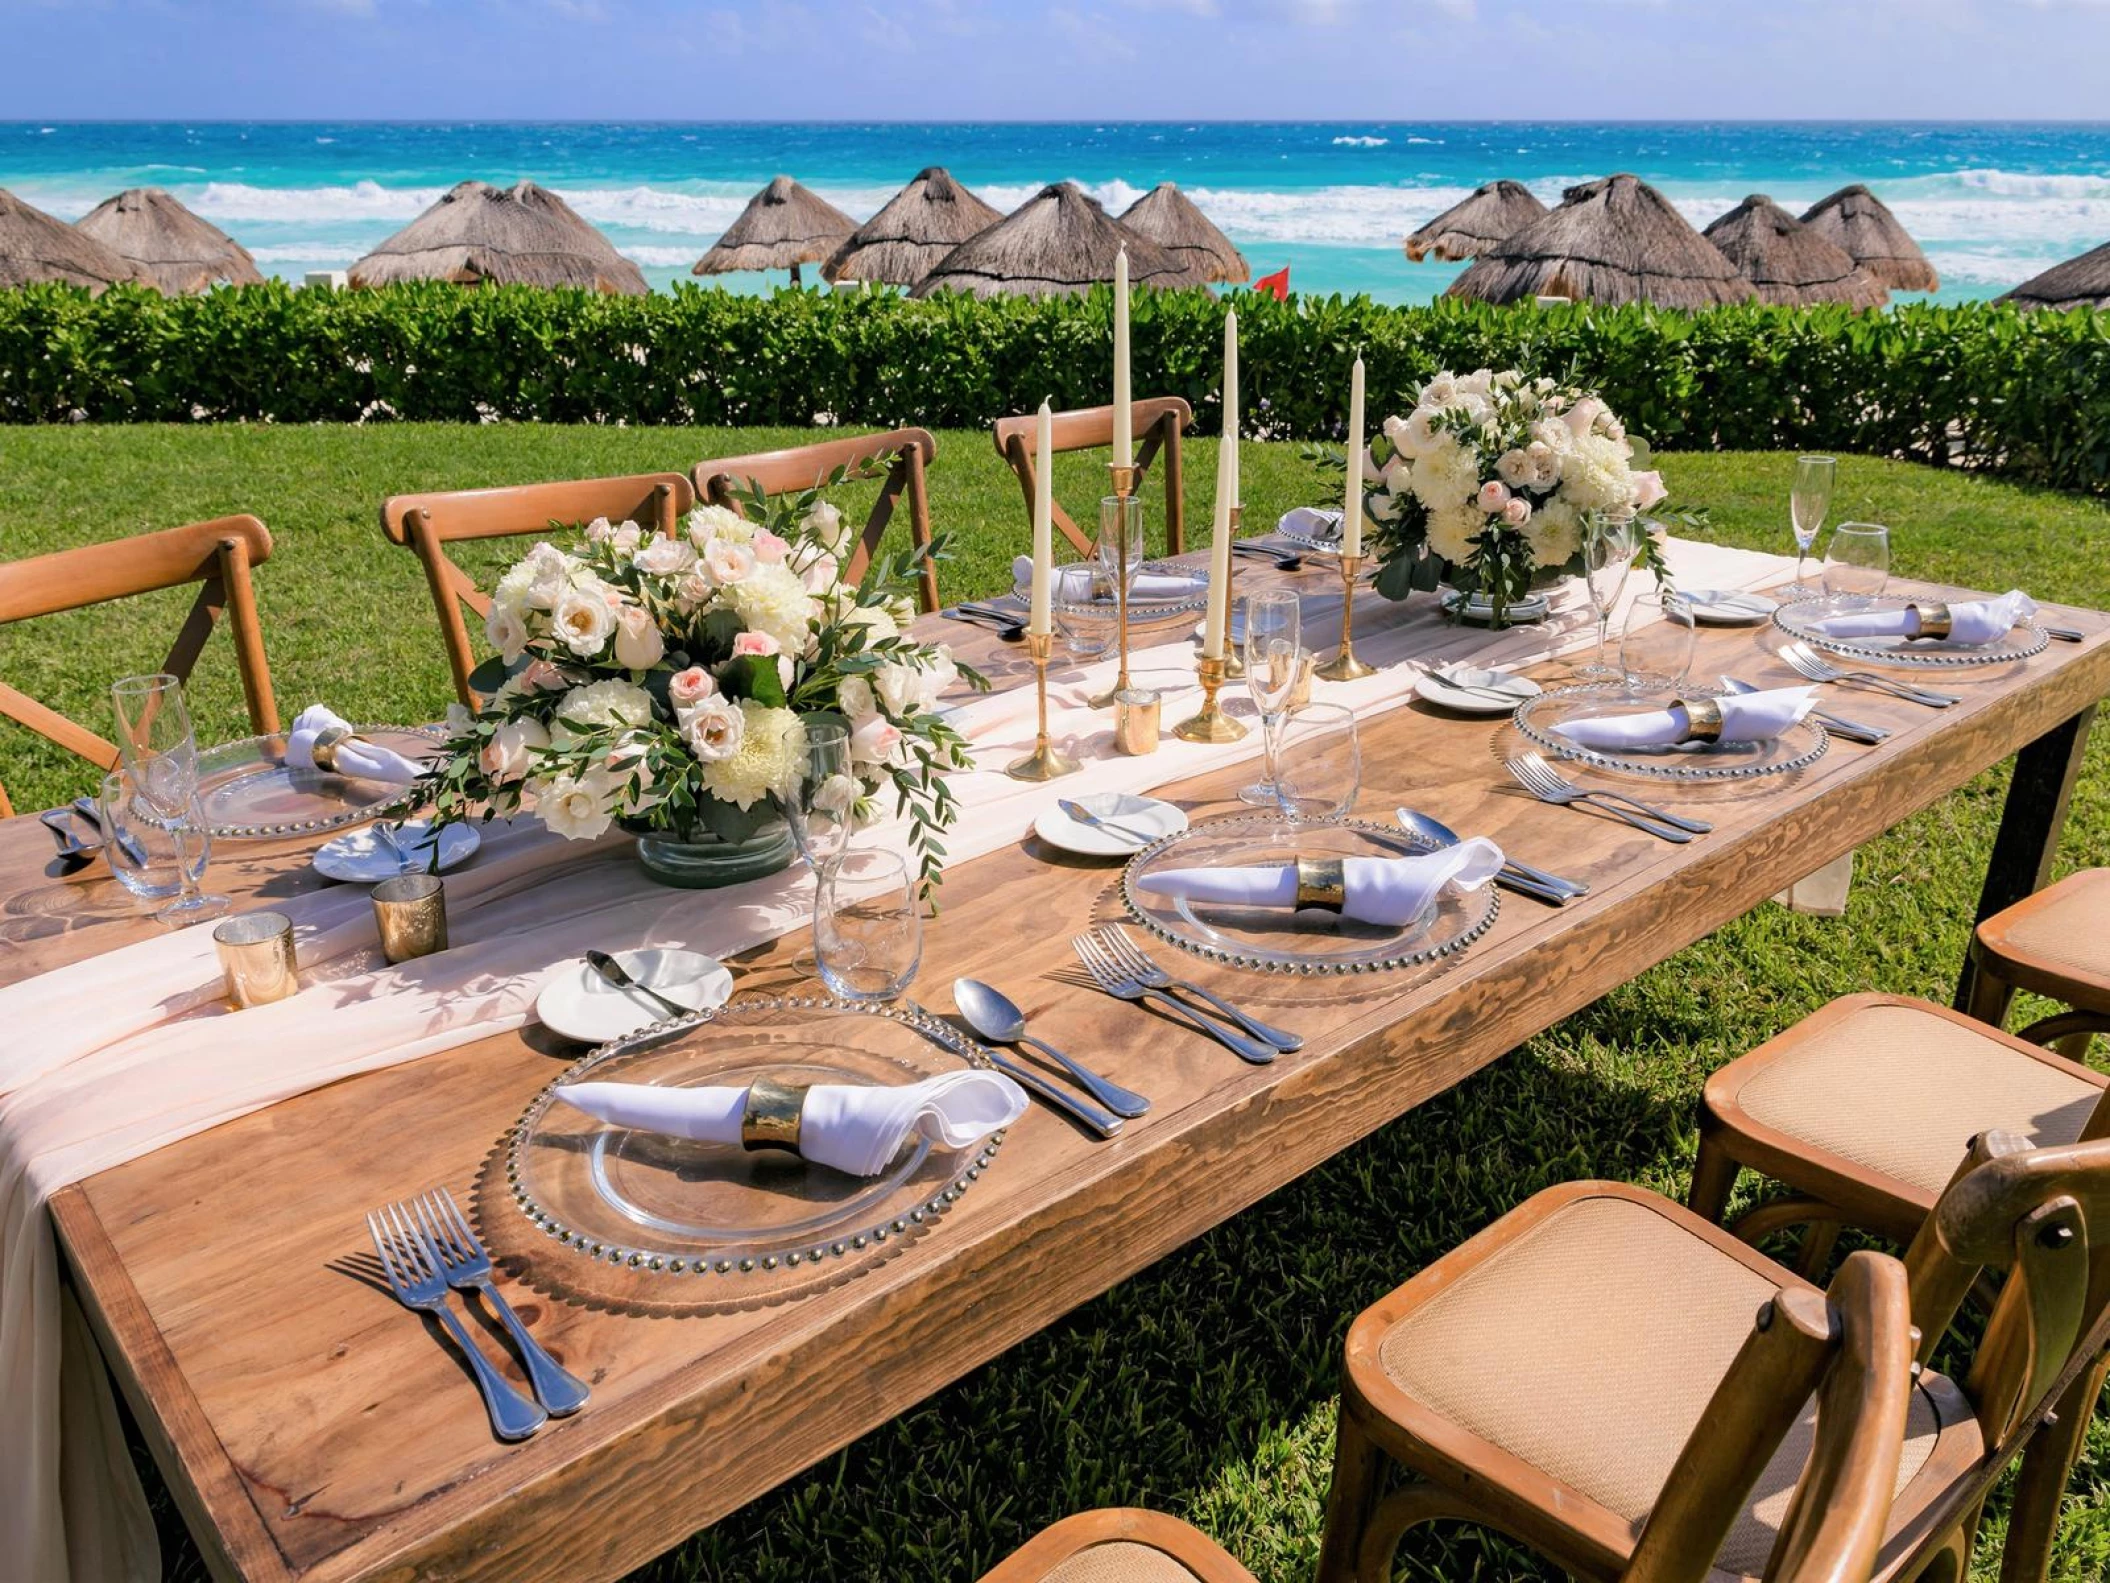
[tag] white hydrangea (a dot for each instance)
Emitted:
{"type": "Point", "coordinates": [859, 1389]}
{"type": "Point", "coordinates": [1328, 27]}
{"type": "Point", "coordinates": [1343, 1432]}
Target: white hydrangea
{"type": "Point", "coordinates": [771, 757]}
{"type": "Point", "coordinates": [1554, 532]}
{"type": "Point", "coordinates": [771, 599]}
{"type": "Point", "coordinates": [709, 522]}
{"type": "Point", "coordinates": [1595, 475]}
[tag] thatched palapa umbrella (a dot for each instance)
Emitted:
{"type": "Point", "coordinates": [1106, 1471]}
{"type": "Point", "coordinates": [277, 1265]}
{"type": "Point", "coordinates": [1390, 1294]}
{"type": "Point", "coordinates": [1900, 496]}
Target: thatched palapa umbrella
{"type": "Point", "coordinates": [1058, 242]}
{"type": "Point", "coordinates": [923, 222]}
{"type": "Point", "coordinates": [1787, 261]}
{"type": "Point", "coordinates": [35, 247]}
{"type": "Point", "coordinates": [1854, 218]}
{"type": "Point", "coordinates": [174, 249]}
{"type": "Point", "coordinates": [1169, 218]}
{"type": "Point", "coordinates": [522, 235]}
{"type": "Point", "coordinates": [1494, 212]}
{"type": "Point", "coordinates": [2082, 282]}
{"type": "Point", "coordinates": [782, 227]}
{"type": "Point", "coordinates": [1613, 240]}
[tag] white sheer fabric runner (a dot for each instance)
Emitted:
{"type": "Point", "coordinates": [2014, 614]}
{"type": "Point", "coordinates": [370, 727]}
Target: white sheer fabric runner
{"type": "Point", "coordinates": [133, 1050]}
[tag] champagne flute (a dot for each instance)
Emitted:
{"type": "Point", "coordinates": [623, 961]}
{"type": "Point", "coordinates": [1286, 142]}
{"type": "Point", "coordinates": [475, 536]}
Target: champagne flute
{"type": "Point", "coordinates": [1274, 634]}
{"type": "Point", "coordinates": [160, 749]}
{"type": "Point", "coordinates": [1808, 501]}
{"type": "Point", "coordinates": [818, 807]}
{"type": "Point", "coordinates": [1608, 555]}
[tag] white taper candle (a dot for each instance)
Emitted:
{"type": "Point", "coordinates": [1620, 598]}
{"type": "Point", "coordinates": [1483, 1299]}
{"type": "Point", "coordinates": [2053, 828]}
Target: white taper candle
{"type": "Point", "coordinates": [1352, 506]}
{"type": "Point", "coordinates": [1043, 519]}
{"type": "Point", "coordinates": [1124, 438]}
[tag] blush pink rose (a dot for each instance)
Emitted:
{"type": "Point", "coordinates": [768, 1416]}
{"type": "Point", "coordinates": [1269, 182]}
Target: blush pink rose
{"type": "Point", "coordinates": [756, 643]}
{"type": "Point", "coordinates": [768, 548]}
{"type": "Point", "coordinates": [690, 687]}
{"type": "Point", "coordinates": [1517, 511]}
{"type": "Point", "coordinates": [874, 740]}
{"type": "Point", "coordinates": [541, 676]}
{"type": "Point", "coordinates": [1494, 495]}
{"type": "Point", "coordinates": [1648, 490]}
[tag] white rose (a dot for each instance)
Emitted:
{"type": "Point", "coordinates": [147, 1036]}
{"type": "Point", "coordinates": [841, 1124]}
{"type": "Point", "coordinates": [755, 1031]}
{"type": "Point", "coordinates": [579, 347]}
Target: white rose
{"type": "Point", "coordinates": [599, 531]}
{"type": "Point", "coordinates": [1398, 477]}
{"type": "Point", "coordinates": [856, 698]}
{"type": "Point", "coordinates": [900, 688]}
{"type": "Point", "coordinates": [625, 539]}
{"type": "Point", "coordinates": [713, 729]}
{"type": "Point", "coordinates": [665, 557]}
{"type": "Point", "coordinates": [874, 741]}
{"type": "Point", "coordinates": [584, 620]}
{"type": "Point", "coordinates": [1440, 391]}
{"type": "Point", "coordinates": [576, 807]}
{"type": "Point", "coordinates": [728, 562]}
{"type": "Point", "coordinates": [507, 632]}
{"type": "Point", "coordinates": [549, 572]}
{"type": "Point", "coordinates": [638, 644]}
{"type": "Point", "coordinates": [694, 589]}
{"type": "Point", "coordinates": [509, 754]}
{"type": "Point", "coordinates": [820, 574]}
{"type": "Point", "coordinates": [824, 525]}
{"type": "Point", "coordinates": [1583, 416]}
{"type": "Point", "coordinates": [836, 796]}
{"type": "Point", "coordinates": [1420, 437]}
{"type": "Point", "coordinates": [1517, 468]}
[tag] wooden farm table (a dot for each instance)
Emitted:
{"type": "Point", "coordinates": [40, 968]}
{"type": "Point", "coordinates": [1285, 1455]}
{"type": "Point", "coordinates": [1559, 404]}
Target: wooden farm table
{"type": "Point", "coordinates": [312, 1429]}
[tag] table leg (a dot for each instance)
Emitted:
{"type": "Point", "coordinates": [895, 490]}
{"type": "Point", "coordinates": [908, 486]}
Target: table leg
{"type": "Point", "coordinates": [2037, 799]}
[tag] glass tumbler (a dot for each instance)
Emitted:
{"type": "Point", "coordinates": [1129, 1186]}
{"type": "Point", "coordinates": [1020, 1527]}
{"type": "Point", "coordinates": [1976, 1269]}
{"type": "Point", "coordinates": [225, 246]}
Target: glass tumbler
{"type": "Point", "coordinates": [867, 925]}
{"type": "Point", "coordinates": [1857, 562]}
{"type": "Point", "coordinates": [142, 850]}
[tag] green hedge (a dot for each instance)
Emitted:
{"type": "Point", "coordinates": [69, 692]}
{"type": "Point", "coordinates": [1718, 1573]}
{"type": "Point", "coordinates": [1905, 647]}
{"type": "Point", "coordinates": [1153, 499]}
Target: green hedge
{"type": "Point", "coordinates": [1977, 385]}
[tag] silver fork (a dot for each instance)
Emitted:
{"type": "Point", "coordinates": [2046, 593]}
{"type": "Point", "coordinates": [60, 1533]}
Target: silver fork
{"type": "Point", "coordinates": [1123, 985]}
{"type": "Point", "coordinates": [1133, 957]}
{"type": "Point", "coordinates": [1804, 660]}
{"type": "Point", "coordinates": [1532, 773]}
{"type": "Point", "coordinates": [468, 1268]}
{"type": "Point", "coordinates": [1553, 777]}
{"type": "Point", "coordinates": [414, 1275]}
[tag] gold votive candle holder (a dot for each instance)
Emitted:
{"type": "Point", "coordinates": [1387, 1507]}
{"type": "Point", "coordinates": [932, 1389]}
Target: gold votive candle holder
{"type": "Point", "coordinates": [256, 958]}
{"type": "Point", "coordinates": [411, 913]}
{"type": "Point", "coordinates": [1136, 720]}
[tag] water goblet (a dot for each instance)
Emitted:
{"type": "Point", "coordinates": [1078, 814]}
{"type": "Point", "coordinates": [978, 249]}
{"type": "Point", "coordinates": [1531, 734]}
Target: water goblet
{"type": "Point", "coordinates": [867, 925]}
{"type": "Point", "coordinates": [1607, 555]}
{"type": "Point", "coordinates": [1857, 562]}
{"type": "Point", "coordinates": [1274, 633]}
{"type": "Point", "coordinates": [1809, 498]}
{"type": "Point", "coordinates": [1656, 649]}
{"type": "Point", "coordinates": [1318, 763]}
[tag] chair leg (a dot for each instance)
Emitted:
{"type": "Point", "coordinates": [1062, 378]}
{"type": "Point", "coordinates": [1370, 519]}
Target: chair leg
{"type": "Point", "coordinates": [1987, 995]}
{"type": "Point", "coordinates": [1358, 1475]}
{"type": "Point", "coordinates": [1778, 1215]}
{"type": "Point", "coordinates": [1817, 1245]}
{"type": "Point", "coordinates": [2041, 1488]}
{"type": "Point", "coordinates": [1714, 1176]}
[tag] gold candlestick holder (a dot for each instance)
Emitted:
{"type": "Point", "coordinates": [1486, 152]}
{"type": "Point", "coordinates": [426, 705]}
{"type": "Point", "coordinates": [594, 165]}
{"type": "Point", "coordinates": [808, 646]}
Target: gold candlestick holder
{"type": "Point", "coordinates": [1344, 666]}
{"type": "Point", "coordinates": [1114, 511]}
{"type": "Point", "coordinates": [1234, 661]}
{"type": "Point", "coordinates": [1212, 724]}
{"type": "Point", "coordinates": [1046, 762]}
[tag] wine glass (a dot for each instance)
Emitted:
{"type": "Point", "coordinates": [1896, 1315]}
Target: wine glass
{"type": "Point", "coordinates": [1318, 763]}
{"type": "Point", "coordinates": [1656, 650]}
{"type": "Point", "coordinates": [160, 749]}
{"type": "Point", "coordinates": [1109, 549]}
{"type": "Point", "coordinates": [1086, 637]}
{"type": "Point", "coordinates": [142, 851]}
{"type": "Point", "coordinates": [818, 808]}
{"type": "Point", "coordinates": [1274, 633]}
{"type": "Point", "coordinates": [1808, 500]}
{"type": "Point", "coordinates": [1608, 555]}
{"type": "Point", "coordinates": [1857, 562]}
{"type": "Point", "coordinates": [867, 928]}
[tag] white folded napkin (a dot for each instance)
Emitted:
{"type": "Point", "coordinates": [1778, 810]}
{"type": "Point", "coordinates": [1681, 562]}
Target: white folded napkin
{"type": "Point", "coordinates": [1973, 621]}
{"type": "Point", "coordinates": [1748, 717]}
{"type": "Point", "coordinates": [1143, 585]}
{"type": "Point", "coordinates": [1311, 522]}
{"type": "Point", "coordinates": [356, 757]}
{"type": "Point", "coordinates": [1383, 890]}
{"type": "Point", "coordinates": [845, 1127]}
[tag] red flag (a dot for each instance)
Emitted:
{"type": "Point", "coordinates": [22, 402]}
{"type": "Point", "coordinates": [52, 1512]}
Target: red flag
{"type": "Point", "coordinates": [1275, 285]}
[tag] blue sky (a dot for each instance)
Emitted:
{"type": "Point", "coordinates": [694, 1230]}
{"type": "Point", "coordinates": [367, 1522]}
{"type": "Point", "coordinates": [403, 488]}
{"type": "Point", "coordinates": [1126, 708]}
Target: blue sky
{"type": "Point", "coordinates": [1055, 59]}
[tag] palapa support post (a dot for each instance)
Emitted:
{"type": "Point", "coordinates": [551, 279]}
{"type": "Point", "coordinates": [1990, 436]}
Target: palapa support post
{"type": "Point", "coordinates": [1344, 666]}
{"type": "Point", "coordinates": [1125, 477]}
{"type": "Point", "coordinates": [1211, 724]}
{"type": "Point", "coordinates": [1045, 762]}
{"type": "Point", "coordinates": [1234, 658]}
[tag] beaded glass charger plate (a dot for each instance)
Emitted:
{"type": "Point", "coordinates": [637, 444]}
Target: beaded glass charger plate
{"type": "Point", "coordinates": [1282, 940]}
{"type": "Point", "coordinates": [249, 792]}
{"type": "Point", "coordinates": [1801, 619]}
{"type": "Point", "coordinates": [739, 1225]}
{"type": "Point", "coordinates": [1798, 747]}
{"type": "Point", "coordinates": [1143, 611]}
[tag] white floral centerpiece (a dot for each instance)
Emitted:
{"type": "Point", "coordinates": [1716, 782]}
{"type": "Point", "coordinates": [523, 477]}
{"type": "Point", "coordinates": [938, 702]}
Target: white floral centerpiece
{"type": "Point", "coordinates": [1498, 477]}
{"type": "Point", "coordinates": [665, 684]}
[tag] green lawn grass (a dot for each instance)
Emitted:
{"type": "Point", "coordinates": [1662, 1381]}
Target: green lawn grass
{"type": "Point", "coordinates": [1206, 1384]}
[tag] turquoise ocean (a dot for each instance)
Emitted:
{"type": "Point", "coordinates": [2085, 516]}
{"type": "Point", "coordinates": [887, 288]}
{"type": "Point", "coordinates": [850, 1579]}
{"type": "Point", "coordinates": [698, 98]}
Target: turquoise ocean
{"type": "Point", "coordinates": [1992, 203]}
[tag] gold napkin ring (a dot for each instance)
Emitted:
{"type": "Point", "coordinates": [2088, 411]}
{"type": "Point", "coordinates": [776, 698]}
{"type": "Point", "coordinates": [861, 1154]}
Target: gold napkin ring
{"type": "Point", "coordinates": [1321, 883]}
{"type": "Point", "coordinates": [1934, 620]}
{"type": "Point", "coordinates": [1703, 719]}
{"type": "Point", "coordinates": [771, 1119]}
{"type": "Point", "coordinates": [324, 753]}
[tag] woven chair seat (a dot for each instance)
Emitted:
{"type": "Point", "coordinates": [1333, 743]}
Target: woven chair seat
{"type": "Point", "coordinates": [1123, 1561]}
{"type": "Point", "coordinates": [2057, 942]}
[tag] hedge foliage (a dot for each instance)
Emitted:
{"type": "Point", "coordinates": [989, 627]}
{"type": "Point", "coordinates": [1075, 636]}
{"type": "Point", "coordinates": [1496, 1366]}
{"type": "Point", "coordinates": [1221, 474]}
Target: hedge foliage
{"type": "Point", "coordinates": [1977, 385]}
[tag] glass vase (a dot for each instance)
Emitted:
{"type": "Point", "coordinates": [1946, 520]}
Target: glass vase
{"type": "Point", "coordinates": [704, 862]}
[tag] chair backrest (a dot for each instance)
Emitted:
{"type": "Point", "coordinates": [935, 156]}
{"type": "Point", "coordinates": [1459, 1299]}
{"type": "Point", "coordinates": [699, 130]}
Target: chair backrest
{"type": "Point", "coordinates": [1157, 422]}
{"type": "Point", "coordinates": [1853, 1347]}
{"type": "Point", "coordinates": [217, 555]}
{"type": "Point", "coordinates": [908, 454]}
{"type": "Point", "coordinates": [429, 522]}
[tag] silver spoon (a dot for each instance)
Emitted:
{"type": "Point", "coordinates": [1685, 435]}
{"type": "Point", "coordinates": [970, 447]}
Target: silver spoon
{"type": "Point", "coordinates": [1084, 816]}
{"type": "Point", "coordinates": [618, 975]}
{"type": "Point", "coordinates": [994, 1018]}
{"type": "Point", "coordinates": [1535, 881]}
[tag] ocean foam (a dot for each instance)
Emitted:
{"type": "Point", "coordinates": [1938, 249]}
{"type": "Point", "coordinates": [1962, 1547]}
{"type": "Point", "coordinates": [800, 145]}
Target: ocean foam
{"type": "Point", "coordinates": [1368, 142]}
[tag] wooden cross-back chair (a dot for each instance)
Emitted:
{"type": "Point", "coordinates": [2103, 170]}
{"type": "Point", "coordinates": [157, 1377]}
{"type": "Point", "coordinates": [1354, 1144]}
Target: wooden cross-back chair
{"type": "Point", "coordinates": [908, 454]}
{"type": "Point", "coordinates": [1157, 424]}
{"type": "Point", "coordinates": [428, 523]}
{"type": "Point", "coordinates": [216, 555]}
{"type": "Point", "coordinates": [1540, 1378]}
{"type": "Point", "coordinates": [1119, 1545]}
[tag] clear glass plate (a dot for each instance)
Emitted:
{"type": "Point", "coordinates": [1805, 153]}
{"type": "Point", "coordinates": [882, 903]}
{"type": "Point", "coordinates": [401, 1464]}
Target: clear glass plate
{"type": "Point", "coordinates": [250, 793]}
{"type": "Point", "coordinates": [668, 1208]}
{"type": "Point", "coordinates": [1277, 939]}
{"type": "Point", "coordinates": [1800, 619]}
{"type": "Point", "coordinates": [1310, 542]}
{"type": "Point", "coordinates": [1801, 745]}
{"type": "Point", "coordinates": [1141, 612]}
